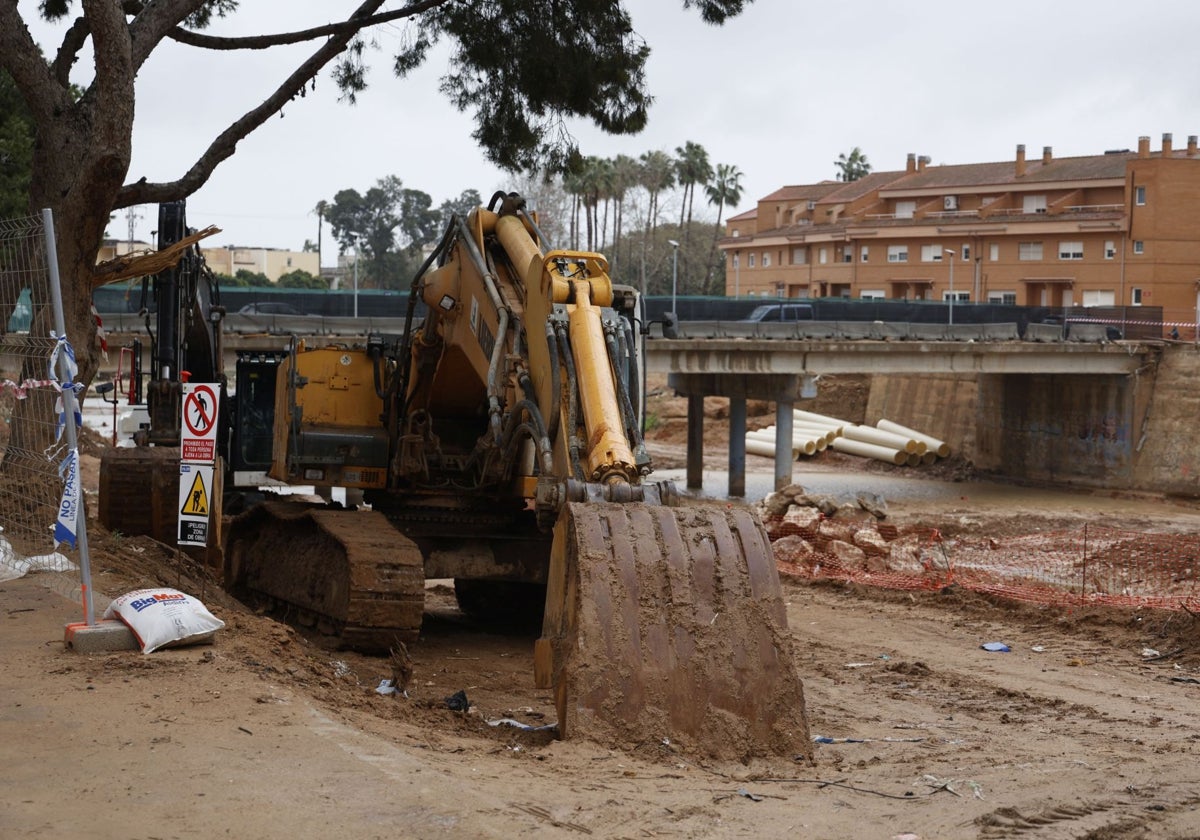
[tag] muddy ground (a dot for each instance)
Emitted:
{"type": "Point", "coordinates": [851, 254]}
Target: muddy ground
{"type": "Point", "coordinates": [1076, 732]}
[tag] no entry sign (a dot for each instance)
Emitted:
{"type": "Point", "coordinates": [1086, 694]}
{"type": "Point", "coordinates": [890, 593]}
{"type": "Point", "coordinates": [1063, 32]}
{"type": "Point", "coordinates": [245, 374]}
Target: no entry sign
{"type": "Point", "coordinates": [198, 441]}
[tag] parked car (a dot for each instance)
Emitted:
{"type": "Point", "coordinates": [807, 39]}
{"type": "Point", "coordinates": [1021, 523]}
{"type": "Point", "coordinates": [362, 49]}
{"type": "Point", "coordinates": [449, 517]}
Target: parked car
{"type": "Point", "coordinates": [781, 312]}
{"type": "Point", "coordinates": [269, 309]}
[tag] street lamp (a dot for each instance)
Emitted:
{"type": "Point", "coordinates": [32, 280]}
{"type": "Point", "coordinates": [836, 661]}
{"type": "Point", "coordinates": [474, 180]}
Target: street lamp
{"type": "Point", "coordinates": [951, 253]}
{"type": "Point", "coordinates": [674, 274]}
{"type": "Point", "coordinates": [357, 248]}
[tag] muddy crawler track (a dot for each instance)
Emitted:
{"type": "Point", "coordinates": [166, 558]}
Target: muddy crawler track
{"type": "Point", "coordinates": [349, 573]}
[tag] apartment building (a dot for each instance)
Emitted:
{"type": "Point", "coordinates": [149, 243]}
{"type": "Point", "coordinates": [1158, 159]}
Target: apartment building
{"type": "Point", "coordinates": [273, 262]}
{"type": "Point", "coordinates": [1116, 228]}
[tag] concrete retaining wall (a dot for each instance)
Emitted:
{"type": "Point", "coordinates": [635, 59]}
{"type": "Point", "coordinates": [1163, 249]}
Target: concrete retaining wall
{"type": "Point", "coordinates": [1138, 432]}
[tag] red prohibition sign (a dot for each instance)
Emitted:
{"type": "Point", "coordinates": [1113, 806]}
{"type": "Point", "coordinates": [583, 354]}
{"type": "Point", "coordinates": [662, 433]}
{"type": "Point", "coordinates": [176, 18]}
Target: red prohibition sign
{"type": "Point", "coordinates": [200, 411]}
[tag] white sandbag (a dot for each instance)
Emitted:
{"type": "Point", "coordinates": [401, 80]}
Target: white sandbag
{"type": "Point", "coordinates": [164, 618]}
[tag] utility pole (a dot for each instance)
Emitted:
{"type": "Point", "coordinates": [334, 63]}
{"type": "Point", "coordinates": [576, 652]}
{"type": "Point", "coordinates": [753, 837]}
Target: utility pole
{"type": "Point", "coordinates": [132, 214]}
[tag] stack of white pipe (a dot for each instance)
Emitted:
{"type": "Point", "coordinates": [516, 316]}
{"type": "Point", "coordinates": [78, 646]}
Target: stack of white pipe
{"type": "Point", "coordinates": [939, 448]}
{"type": "Point", "coordinates": [886, 441]}
{"type": "Point", "coordinates": [762, 442]}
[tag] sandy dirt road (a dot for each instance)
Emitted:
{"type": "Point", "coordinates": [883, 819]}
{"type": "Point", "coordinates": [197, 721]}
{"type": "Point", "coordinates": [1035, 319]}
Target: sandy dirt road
{"type": "Point", "coordinates": [266, 734]}
{"type": "Point", "coordinates": [269, 734]}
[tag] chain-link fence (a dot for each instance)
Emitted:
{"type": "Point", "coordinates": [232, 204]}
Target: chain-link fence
{"type": "Point", "coordinates": [41, 503]}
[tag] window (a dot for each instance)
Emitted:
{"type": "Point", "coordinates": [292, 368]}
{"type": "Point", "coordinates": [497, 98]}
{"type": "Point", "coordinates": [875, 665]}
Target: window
{"type": "Point", "coordinates": [799, 256]}
{"type": "Point", "coordinates": [872, 294]}
{"type": "Point", "coordinates": [994, 253]}
{"type": "Point", "coordinates": [766, 259]}
{"type": "Point", "coordinates": [1110, 249]}
{"type": "Point", "coordinates": [1034, 204]}
{"type": "Point", "coordinates": [959, 297]}
{"type": "Point", "coordinates": [1139, 195]}
{"type": "Point", "coordinates": [905, 209]}
{"type": "Point", "coordinates": [1006, 298]}
{"type": "Point", "coordinates": [931, 253]}
{"type": "Point", "coordinates": [780, 290]}
{"type": "Point", "coordinates": [862, 255]}
{"type": "Point", "coordinates": [823, 256]}
{"type": "Point", "coordinates": [847, 255]}
{"type": "Point", "coordinates": [1029, 251]}
{"type": "Point", "coordinates": [1099, 298]}
{"type": "Point", "coordinates": [966, 252]}
{"type": "Point", "coordinates": [897, 253]}
{"type": "Point", "coordinates": [1070, 250]}
{"type": "Point", "coordinates": [750, 260]}
{"type": "Point", "coordinates": [1139, 247]}
{"type": "Point", "coordinates": [735, 261]}
{"type": "Point", "coordinates": [1135, 297]}
{"type": "Point", "coordinates": [812, 205]}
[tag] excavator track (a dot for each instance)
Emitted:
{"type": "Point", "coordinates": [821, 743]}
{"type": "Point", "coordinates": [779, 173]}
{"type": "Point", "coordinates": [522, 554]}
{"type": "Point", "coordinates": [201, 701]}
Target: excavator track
{"type": "Point", "coordinates": [666, 625]}
{"type": "Point", "coordinates": [349, 573]}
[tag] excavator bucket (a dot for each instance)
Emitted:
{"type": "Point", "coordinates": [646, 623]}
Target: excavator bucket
{"type": "Point", "coordinates": [666, 625]}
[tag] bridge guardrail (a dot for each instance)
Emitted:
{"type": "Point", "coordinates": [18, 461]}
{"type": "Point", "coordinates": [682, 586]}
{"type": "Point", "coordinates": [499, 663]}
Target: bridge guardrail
{"type": "Point", "coordinates": [886, 331]}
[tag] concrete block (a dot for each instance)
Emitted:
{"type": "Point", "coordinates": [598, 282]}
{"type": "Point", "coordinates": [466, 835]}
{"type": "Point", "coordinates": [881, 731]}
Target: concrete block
{"type": "Point", "coordinates": [1000, 332]}
{"type": "Point", "coordinates": [927, 332]}
{"type": "Point", "coordinates": [107, 634]}
{"type": "Point", "coordinates": [1088, 332]}
{"type": "Point", "coordinates": [1044, 332]}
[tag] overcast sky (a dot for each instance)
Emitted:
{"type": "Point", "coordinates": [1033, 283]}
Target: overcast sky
{"type": "Point", "coordinates": [779, 92]}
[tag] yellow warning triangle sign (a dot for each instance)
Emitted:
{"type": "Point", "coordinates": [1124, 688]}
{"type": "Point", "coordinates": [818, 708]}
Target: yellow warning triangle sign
{"type": "Point", "coordinates": [196, 503]}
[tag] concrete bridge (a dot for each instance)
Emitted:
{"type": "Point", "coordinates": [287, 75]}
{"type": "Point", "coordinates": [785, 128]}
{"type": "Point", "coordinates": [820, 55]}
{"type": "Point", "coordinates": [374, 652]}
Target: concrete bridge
{"type": "Point", "coordinates": [783, 370]}
{"type": "Point", "coordinates": [1026, 383]}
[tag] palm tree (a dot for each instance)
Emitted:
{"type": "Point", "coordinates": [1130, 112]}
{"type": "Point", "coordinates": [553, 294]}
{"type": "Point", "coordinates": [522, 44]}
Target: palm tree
{"type": "Point", "coordinates": [625, 177]}
{"type": "Point", "coordinates": [724, 189]}
{"type": "Point", "coordinates": [657, 174]}
{"type": "Point", "coordinates": [573, 185]}
{"type": "Point", "coordinates": [691, 168]}
{"type": "Point", "coordinates": [320, 209]}
{"type": "Point", "coordinates": [853, 167]}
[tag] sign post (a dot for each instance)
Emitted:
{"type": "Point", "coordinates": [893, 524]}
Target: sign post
{"type": "Point", "coordinates": [197, 454]}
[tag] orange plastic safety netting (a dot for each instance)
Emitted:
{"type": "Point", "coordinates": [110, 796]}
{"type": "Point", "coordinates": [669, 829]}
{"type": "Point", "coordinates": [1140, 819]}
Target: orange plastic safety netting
{"type": "Point", "coordinates": [1090, 565]}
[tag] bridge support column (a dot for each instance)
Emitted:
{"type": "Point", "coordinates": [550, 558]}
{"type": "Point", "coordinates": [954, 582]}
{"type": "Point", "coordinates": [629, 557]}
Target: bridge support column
{"type": "Point", "coordinates": [695, 441]}
{"type": "Point", "coordinates": [783, 443]}
{"type": "Point", "coordinates": [737, 447]}
{"type": "Point", "coordinates": [781, 388]}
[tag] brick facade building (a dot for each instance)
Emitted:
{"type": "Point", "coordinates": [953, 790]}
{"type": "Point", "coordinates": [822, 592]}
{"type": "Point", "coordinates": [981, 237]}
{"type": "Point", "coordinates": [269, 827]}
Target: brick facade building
{"type": "Point", "coordinates": [1117, 228]}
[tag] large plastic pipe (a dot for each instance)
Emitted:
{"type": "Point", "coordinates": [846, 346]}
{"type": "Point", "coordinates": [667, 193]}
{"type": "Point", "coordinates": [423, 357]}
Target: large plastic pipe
{"type": "Point", "coordinates": [757, 446]}
{"type": "Point", "coordinates": [870, 450]}
{"type": "Point", "coordinates": [821, 419]}
{"type": "Point", "coordinates": [870, 434]}
{"type": "Point", "coordinates": [800, 443]}
{"type": "Point", "coordinates": [939, 447]}
{"type": "Point", "coordinates": [826, 432]}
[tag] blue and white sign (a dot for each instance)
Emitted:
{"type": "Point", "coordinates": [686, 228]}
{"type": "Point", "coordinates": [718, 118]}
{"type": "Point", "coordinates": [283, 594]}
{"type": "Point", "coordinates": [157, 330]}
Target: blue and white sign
{"type": "Point", "coordinates": [68, 510]}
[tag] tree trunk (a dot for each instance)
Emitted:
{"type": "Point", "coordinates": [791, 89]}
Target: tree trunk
{"type": "Point", "coordinates": [80, 162]}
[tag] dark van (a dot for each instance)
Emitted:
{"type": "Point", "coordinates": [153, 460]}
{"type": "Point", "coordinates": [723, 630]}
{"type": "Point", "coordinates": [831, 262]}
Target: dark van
{"type": "Point", "coordinates": [773, 312]}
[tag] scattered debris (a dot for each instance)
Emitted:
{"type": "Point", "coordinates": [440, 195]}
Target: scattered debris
{"type": "Point", "coordinates": [822, 739]}
{"type": "Point", "coordinates": [457, 702]}
{"type": "Point", "coordinates": [996, 647]}
{"type": "Point", "coordinates": [546, 727]}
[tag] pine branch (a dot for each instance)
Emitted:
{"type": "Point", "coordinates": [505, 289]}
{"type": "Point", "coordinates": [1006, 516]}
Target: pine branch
{"type": "Point", "coordinates": [223, 147]}
{"type": "Point", "coordinates": [262, 42]}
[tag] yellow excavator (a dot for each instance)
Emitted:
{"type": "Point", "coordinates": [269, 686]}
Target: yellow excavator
{"type": "Point", "coordinates": [498, 442]}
